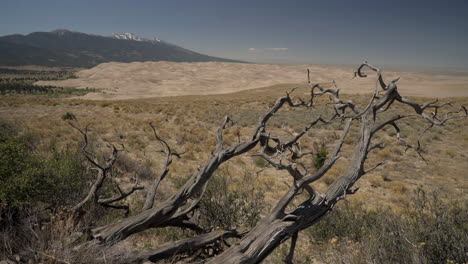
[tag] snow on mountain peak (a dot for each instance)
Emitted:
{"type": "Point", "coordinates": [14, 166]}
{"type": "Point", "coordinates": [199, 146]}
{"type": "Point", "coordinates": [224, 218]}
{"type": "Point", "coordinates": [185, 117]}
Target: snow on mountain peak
{"type": "Point", "coordinates": [130, 36]}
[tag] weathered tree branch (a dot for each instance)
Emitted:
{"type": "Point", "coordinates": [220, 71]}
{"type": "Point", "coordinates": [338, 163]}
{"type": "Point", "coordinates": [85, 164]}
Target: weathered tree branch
{"type": "Point", "coordinates": [102, 170]}
{"type": "Point", "coordinates": [180, 247]}
{"type": "Point", "coordinates": [121, 196]}
{"type": "Point", "coordinates": [151, 194]}
{"type": "Point", "coordinates": [290, 257]}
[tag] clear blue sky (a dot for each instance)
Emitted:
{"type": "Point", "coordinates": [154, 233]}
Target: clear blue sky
{"type": "Point", "coordinates": [409, 33]}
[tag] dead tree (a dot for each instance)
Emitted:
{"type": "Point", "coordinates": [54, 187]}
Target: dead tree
{"type": "Point", "coordinates": [282, 222]}
{"type": "Point", "coordinates": [103, 170]}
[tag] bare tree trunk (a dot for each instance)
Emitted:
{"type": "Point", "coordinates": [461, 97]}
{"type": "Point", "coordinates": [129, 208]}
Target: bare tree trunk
{"type": "Point", "coordinates": [276, 228]}
{"type": "Point", "coordinates": [151, 194]}
{"type": "Point", "coordinates": [162, 213]}
{"type": "Point", "coordinates": [169, 249]}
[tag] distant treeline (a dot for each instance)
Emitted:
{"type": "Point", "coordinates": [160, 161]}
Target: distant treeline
{"type": "Point", "coordinates": [21, 81]}
{"type": "Point", "coordinates": [33, 72]}
{"type": "Point", "coordinates": [35, 75]}
{"type": "Point", "coordinates": [8, 87]}
{"type": "Point", "coordinates": [24, 88]}
{"type": "Point", "coordinates": [35, 78]}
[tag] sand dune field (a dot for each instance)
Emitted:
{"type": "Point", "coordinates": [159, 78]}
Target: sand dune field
{"type": "Point", "coordinates": [158, 79]}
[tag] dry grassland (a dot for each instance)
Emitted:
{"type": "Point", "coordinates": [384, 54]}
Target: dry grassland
{"type": "Point", "coordinates": [189, 123]}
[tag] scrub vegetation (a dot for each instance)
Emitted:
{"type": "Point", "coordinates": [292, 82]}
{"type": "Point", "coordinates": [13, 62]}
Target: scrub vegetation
{"type": "Point", "coordinates": [412, 209]}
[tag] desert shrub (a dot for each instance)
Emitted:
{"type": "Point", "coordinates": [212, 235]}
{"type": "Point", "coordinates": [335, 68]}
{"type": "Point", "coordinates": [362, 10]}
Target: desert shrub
{"type": "Point", "coordinates": [345, 222]}
{"type": "Point", "coordinates": [28, 178]}
{"type": "Point", "coordinates": [260, 162]}
{"type": "Point", "coordinates": [320, 157]}
{"type": "Point", "coordinates": [430, 231]}
{"type": "Point", "coordinates": [68, 116]}
{"type": "Point", "coordinates": [440, 228]}
{"type": "Point", "coordinates": [16, 168]}
{"type": "Point", "coordinates": [66, 175]}
{"type": "Point", "coordinates": [126, 165]}
{"type": "Point", "coordinates": [231, 203]}
{"type": "Point", "coordinates": [33, 187]}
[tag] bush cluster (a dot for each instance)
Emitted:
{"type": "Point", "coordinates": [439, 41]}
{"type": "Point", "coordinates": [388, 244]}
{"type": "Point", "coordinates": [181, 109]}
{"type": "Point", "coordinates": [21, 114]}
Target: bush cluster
{"type": "Point", "coordinates": [28, 178]}
{"type": "Point", "coordinates": [430, 230]}
{"type": "Point", "coordinates": [231, 203]}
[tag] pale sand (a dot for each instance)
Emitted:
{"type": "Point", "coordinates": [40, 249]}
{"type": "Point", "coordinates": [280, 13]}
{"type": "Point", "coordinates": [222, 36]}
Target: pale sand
{"type": "Point", "coordinates": [157, 79]}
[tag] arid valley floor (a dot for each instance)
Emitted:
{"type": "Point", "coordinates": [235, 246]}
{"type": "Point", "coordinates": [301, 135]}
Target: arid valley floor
{"type": "Point", "coordinates": [187, 102]}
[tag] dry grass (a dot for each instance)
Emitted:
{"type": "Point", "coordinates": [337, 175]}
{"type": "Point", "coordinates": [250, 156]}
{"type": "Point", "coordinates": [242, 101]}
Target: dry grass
{"type": "Point", "coordinates": [189, 123]}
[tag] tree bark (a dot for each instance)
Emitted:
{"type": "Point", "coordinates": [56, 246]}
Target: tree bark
{"type": "Point", "coordinates": [180, 247]}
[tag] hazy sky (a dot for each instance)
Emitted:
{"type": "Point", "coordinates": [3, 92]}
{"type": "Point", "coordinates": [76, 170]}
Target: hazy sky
{"type": "Point", "coordinates": [392, 33]}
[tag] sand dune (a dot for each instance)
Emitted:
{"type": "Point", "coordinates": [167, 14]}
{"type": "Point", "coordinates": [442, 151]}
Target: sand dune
{"type": "Point", "coordinates": [156, 79]}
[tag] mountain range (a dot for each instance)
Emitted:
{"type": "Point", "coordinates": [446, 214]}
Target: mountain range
{"type": "Point", "coordinates": [65, 48]}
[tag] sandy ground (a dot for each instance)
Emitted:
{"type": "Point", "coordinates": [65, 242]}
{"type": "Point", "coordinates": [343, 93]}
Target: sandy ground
{"type": "Point", "coordinates": [157, 79]}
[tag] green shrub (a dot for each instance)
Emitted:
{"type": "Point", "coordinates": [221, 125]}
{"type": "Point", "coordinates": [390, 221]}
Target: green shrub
{"type": "Point", "coordinates": [27, 177]}
{"type": "Point", "coordinates": [260, 162]}
{"type": "Point", "coordinates": [320, 157]}
{"type": "Point", "coordinates": [69, 116]}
